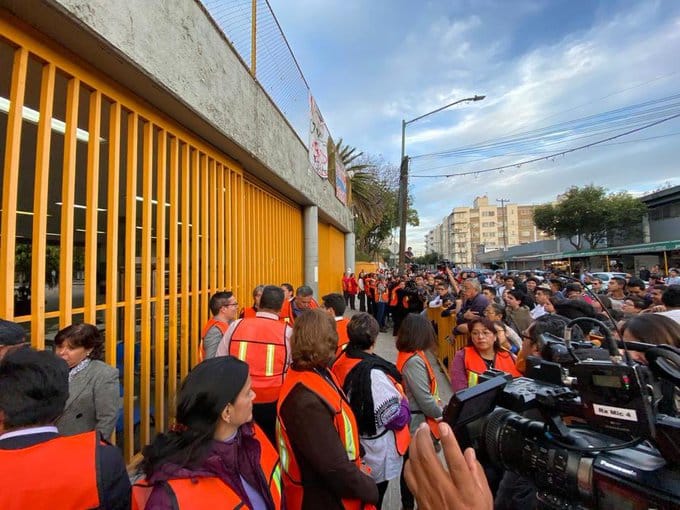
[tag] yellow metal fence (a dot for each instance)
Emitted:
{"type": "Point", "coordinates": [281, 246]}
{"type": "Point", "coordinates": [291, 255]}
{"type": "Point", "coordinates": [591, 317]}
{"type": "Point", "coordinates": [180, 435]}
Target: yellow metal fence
{"type": "Point", "coordinates": [447, 343]}
{"type": "Point", "coordinates": [114, 214]}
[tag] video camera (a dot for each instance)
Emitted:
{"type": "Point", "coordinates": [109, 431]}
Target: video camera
{"type": "Point", "coordinates": [587, 436]}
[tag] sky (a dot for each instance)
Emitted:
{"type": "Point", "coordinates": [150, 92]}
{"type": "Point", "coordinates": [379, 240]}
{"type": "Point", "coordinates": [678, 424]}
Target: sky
{"type": "Point", "coordinates": [556, 74]}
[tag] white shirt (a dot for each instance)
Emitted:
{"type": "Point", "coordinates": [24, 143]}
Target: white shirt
{"type": "Point", "coordinates": [537, 312]}
{"type": "Point", "coordinates": [672, 314]}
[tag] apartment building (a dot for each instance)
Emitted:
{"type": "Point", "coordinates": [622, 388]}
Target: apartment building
{"type": "Point", "coordinates": [484, 226]}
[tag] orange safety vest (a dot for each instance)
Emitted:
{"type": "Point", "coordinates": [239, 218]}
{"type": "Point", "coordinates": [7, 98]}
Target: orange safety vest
{"type": "Point", "coordinates": [402, 358]}
{"type": "Point", "coordinates": [341, 368]}
{"type": "Point", "coordinates": [212, 492]}
{"type": "Point", "coordinates": [72, 483]}
{"type": "Point", "coordinates": [475, 365]}
{"type": "Point", "coordinates": [345, 424]}
{"type": "Point", "coordinates": [248, 313]}
{"type": "Point", "coordinates": [394, 300]}
{"type": "Point", "coordinates": [369, 284]}
{"type": "Point", "coordinates": [343, 338]}
{"type": "Point", "coordinates": [286, 314]}
{"type": "Point", "coordinates": [261, 342]}
{"type": "Point", "coordinates": [221, 325]}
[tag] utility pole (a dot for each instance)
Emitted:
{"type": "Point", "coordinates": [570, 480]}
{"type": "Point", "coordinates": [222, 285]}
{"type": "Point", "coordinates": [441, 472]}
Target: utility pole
{"type": "Point", "coordinates": [403, 175]}
{"type": "Point", "coordinates": [504, 201]}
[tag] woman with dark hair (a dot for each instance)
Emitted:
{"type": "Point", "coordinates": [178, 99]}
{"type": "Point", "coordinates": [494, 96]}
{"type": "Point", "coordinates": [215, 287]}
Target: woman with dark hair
{"type": "Point", "coordinates": [94, 395]}
{"type": "Point", "coordinates": [214, 456]}
{"type": "Point", "coordinates": [510, 340]}
{"type": "Point", "coordinates": [516, 312]}
{"type": "Point", "coordinates": [373, 386]}
{"type": "Point", "coordinates": [482, 353]}
{"type": "Point", "coordinates": [317, 431]}
{"type": "Point", "coordinates": [416, 336]}
{"type": "Point", "coordinates": [653, 328]}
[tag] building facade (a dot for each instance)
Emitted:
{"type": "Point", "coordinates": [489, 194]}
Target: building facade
{"type": "Point", "coordinates": [483, 227]}
{"type": "Point", "coordinates": [144, 169]}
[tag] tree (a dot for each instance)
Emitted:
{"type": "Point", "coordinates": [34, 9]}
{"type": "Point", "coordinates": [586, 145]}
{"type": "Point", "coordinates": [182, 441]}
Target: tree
{"type": "Point", "coordinates": [589, 214]}
{"type": "Point", "coordinates": [373, 199]}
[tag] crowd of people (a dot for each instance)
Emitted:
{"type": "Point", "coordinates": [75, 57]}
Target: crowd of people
{"type": "Point", "coordinates": [291, 407]}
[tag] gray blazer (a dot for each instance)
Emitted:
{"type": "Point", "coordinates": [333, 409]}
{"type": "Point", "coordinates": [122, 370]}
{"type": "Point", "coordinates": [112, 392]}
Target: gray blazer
{"type": "Point", "coordinates": [93, 402]}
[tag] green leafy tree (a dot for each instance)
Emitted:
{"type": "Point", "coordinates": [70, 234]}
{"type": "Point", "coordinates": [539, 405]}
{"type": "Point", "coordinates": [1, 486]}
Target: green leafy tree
{"type": "Point", "coordinates": [589, 214]}
{"type": "Point", "coordinates": [429, 259]}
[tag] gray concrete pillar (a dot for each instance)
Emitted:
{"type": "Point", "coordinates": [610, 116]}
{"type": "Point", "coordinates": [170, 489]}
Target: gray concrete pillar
{"type": "Point", "coordinates": [311, 253]}
{"type": "Point", "coordinates": [646, 235]}
{"type": "Point", "coordinates": [350, 241]}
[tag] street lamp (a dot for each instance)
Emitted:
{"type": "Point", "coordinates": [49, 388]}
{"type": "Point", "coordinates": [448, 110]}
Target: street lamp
{"type": "Point", "coordinates": [403, 175]}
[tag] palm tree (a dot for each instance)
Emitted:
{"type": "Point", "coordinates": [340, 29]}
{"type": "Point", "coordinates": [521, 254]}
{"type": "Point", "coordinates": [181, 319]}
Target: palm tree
{"type": "Point", "coordinates": [365, 197]}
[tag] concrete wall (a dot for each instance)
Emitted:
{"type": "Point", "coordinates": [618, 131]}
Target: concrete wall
{"type": "Point", "coordinates": [170, 53]}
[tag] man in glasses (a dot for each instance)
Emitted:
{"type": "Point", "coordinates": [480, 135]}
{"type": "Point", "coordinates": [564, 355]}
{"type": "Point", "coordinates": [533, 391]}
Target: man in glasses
{"type": "Point", "coordinates": [224, 308]}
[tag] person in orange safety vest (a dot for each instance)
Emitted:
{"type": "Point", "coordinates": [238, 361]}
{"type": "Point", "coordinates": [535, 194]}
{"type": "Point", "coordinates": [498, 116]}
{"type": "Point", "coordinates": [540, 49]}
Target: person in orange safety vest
{"type": "Point", "coordinates": [303, 300]}
{"type": "Point", "coordinates": [39, 468]}
{"type": "Point", "coordinates": [483, 352]}
{"type": "Point", "coordinates": [251, 311]}
{"type": "Point", "coordinates": [416, 336]}
{"type": "Point", "coordinates": [223, 306]}
{"type": "Point", "coordinates": [318, 434]}
{"type": "Point", "coordinates": [334, 304]}
{"type": "Point", "coordinates": [214, 456]}
{"type": "Point", "coordinates": [264, 343]}
{"type": "Point", "coordinates": [373, 386]}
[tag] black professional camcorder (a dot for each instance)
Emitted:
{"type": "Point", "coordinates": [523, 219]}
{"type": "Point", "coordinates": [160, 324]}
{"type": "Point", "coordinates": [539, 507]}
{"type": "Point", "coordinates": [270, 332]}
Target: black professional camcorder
{"type": "Point", "coordinates": [586, 431]}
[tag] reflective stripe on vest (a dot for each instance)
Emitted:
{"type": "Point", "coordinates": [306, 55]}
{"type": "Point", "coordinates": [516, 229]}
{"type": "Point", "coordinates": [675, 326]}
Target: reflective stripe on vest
{"type": "Point", "coordinates": [344, 422]}
{"type": "Point", "coordinates": [402, 358]}
{"type": "Point", "coordinates": [475, 365]}
{"type": "Point", "coordinates": [261, 342]}
{"type": "Point", "coordinates": [341, 368]}
{"type": "Point", "coordinates": [71, 483]}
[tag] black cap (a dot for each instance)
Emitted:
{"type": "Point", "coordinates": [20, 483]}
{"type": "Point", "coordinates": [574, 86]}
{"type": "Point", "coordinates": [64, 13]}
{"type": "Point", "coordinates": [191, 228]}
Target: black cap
{"type": "Point", "coordinates": [11, 333]}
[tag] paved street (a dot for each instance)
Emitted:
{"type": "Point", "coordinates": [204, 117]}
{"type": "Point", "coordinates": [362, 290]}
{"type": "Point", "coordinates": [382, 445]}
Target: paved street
{"type": "Point", "coordinates": [385, 348]}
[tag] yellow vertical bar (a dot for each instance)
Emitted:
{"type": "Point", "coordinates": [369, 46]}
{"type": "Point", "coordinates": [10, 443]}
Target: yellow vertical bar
{"type": "Point", "coordinates": [212, 189]}
{"type": "Point", "coordinates": [195, 254]}
{"type": "Point", "coordinates": [235, 200]}
{"type": "Point", "coordinates": [186, 242]}
{"type": "Point", "coordinates": [67, 198]}
{"type": "Point", "coordinates": [112, 244]}
{"type": "Point", "coordinates": [130, 335]}
{"type": "Point", "coordinates": [665, 262]}
{"type": "Point", "coordinates": [227, 201]}
{"type": "Point", "coordinates": [159, 341]}
{"type": "Point", "coordinates": [253, 39]}
{"type": "Point", "coordinates": [173, 245]}
{"type": "Point", "coordinates": [221, 220]}
{"type": "Point", "coordinates": [147, 216]}
{"type": "Point", "coordinates": [10, 182]}
{"type": "Point", "coordinates": [42, 179]}
{"type": "Point", "coordinates": [92, 204]}
{"type": "Point", "coordinates": [205, 237]}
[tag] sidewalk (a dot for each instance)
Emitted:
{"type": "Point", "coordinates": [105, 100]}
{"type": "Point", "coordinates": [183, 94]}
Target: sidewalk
{"type": "Point", "coordinates": [385, 347]}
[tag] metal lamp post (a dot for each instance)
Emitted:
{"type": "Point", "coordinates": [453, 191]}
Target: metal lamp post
{"type": "Point", "coordinates": [403, 175]}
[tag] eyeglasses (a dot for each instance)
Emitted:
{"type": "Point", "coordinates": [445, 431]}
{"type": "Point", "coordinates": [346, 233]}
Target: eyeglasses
{"type": "Point", "coordinates": [235, 303]}
{"type": "Point", "coordinates": [482, 333]}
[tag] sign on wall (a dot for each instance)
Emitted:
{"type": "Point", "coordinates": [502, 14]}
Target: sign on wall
{"type": "Point", "coordinates": [340, 181]}
{"type": "Point", "coordinates": [318, 140]}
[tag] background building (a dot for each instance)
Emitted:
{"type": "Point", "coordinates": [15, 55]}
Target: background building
{"type": "Point", "coordinates": [483, 227]}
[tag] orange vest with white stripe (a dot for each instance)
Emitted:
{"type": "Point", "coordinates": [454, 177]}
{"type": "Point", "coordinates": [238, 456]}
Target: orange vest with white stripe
{"type": "Point", "coordinates": [212, 492]}
{"type": "Point", "coordinates": [345, 424]}
{"type": "Point", "coordinates": [261, 342]}
{"type": "Point", "coordinates": [221, 325]}
{"type": "Point", "coordinates": [72, 483]}
{"type": "Point", "coordinates": [341, 368]}
{"type": "Point", "coordinates": [343, 337]}
{"type": "Point", "coordinates": [475, 365]}
{"type": "Point", "coordinates": [402, 358]}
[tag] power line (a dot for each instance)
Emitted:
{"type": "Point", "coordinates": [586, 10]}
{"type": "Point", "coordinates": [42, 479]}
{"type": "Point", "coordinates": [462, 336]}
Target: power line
{"type": "Point", "coordinates": [556, 154]}
{"type": "Point", "coordinates": [623, 142]}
